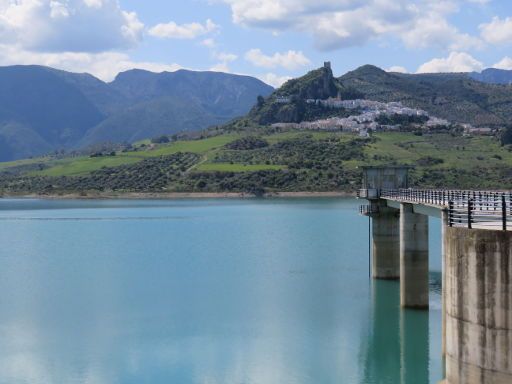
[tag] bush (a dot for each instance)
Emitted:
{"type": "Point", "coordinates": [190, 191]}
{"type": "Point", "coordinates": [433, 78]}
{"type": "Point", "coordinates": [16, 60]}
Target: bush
{"type": "Point", "coordinates": [506, 136]}
{"type": "Point", "coordinates": [429, 161]}
{"type": "Point", "coordinates": [160, 140]}
{"type": "Point", "coordinates": [247, 143]}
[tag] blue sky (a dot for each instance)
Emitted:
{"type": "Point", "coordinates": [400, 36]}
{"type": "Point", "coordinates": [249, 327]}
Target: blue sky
{"type": "Point", "coordinates": [270, 39]}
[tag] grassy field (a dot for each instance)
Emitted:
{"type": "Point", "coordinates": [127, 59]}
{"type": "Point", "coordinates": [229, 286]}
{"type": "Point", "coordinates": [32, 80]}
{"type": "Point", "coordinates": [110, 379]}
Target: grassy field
{"type": "Point", "coordinates": [17, 163]}
{"type": "Point", "coordinates": [194, 146]}
{"type": "Point", "coordinates": [84, 165]}
{"type": "Point", "coordinates": [445, 159]}
{"type": "Point", "coordinates": [455, 152]}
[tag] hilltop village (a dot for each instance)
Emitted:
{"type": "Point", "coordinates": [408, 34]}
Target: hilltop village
{"type": "Point", "coordinates": [366, 116]}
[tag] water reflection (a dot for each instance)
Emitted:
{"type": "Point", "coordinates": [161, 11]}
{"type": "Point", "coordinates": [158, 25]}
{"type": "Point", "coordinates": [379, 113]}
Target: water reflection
{"type": "Point", "coordinates": [415, 346]}
{"type": "Point", "coordinates": [233, 292]}
{"type": "Point", "coordinates": [398, 341]}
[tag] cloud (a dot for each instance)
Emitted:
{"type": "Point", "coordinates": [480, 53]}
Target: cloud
{"type": "Point", "coordinates": [284, 13]}
{"type": "Point", "coordinates": [68, 25]}
{"type": "Point", "coordinates": [498, 31]}
{"type": "Point", "coordinates": [397, 68]}
{"type": "Point", "coordinates": [455, 62]}
{"type": "Point", "coordinates": [505, 63]}
{"type": "Point", "coordinates": [435, 31]}
{"type": "Point", "coordinates": [273, 79]}
{"type": "Point", "coordinates": [225, 56]}
{"type": "Point", "coordinates": [221, 67]}
{"type": "Point", "coordinates": [172, 30]}
{"type": "Point", "coordinates": [209, 43]}
{"type": "Point", "coordinates": [73, 35]}
{"type": "Point", "coordinates": [94, 3]}
{"type": "Point", "coordinates": [289, 60]}
{"type": "Point", "coordinates": [105, 65]}
{"type": "Point", "coordinates": [224, 59]}
{"type": "Point", "coordinates": [338, 24]}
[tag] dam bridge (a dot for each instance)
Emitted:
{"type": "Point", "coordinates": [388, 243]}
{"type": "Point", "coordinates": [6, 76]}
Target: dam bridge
{"type": "Point", "coordinates": [476, 266]}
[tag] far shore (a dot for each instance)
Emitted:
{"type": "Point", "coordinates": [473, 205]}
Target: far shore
{"type": "Point", "coordinates": [176, 195]}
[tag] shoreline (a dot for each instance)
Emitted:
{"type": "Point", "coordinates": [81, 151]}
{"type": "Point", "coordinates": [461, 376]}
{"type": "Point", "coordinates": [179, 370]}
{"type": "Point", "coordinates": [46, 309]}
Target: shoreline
{"type": "Point", "coordinates": [179, 195]}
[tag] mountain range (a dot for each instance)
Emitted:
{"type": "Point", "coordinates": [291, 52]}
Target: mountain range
{"type": "Point", "coordinates": [44, 109]}
{"type": "Point", "coordinates": [493, 76]}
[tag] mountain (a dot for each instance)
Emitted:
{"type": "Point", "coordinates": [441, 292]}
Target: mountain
{"type": "Point", "coordinates": [40, 110]}
{"type": "Point", "coordinates": [152, 118]}
{"type": "Point", "coordinates": [171, 102]}
{"type": "Point", "coordinates": [453, 96]}
{"type": "Point", "coordinates": [288, 103]}
{"type": "Point", "coordinates": [493, 76]}
{"type": "Point", "coordinates": [44, 109]}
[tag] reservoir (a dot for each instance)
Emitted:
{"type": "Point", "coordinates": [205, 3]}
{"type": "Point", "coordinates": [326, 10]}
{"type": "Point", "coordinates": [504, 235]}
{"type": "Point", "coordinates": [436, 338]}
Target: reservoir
{"type": "Point", "coordinates": [256, 291]}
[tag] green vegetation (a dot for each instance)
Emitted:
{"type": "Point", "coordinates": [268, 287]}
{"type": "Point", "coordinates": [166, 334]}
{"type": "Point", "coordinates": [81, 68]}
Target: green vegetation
{"type": "Point", "coordinates": [506, 136]}
{"type": "Point", "coordinates": [317, 84]}
{"type": "Point", "coordinates": [251, 155]}
{"type": "Point", "coordinates": [403, 120]}
{"type": "Point", "coordinates": [452, 96]}
{"type": "Point", "coordinates": [455, 97]}
{"type": "Point", "coordinates": [290, 161]}
{"type": "Point", "coordinates": [247, 143]}
{"type": "Point", "coordinates": [83, 165]}
{"type": "Point", "coordinates": [160, 140]}
{"type": "Point", "coordinates": [228, 167]}
{"type": "Point", "coordinates": [446, 160]}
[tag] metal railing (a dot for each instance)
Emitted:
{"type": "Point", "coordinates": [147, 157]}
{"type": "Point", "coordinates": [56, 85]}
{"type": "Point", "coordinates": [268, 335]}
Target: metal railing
{"type": "Point", "coordinates": [493, 213]}
{"type": "Point", "coordinates": [471, 209]}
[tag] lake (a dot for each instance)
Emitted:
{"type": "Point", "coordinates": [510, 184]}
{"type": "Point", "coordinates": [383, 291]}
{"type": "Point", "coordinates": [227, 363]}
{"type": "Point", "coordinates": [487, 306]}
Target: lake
{"type": "Point", "coordinates": [270, 291]}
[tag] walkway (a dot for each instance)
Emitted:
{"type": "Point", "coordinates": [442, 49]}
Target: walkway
{"type": "Point", "coordinates": [469, 209]}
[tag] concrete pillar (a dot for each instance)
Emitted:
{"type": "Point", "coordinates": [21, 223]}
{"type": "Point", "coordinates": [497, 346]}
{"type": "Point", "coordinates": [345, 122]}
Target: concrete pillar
{"type": "Point", "coordinates": [386, 243]}
{"type": "Point", "coordinates": [444, 225]}
{"type": "Point", "coordinates": [413, 258]}
{"type": "Point", "coordinates": [478, 306]}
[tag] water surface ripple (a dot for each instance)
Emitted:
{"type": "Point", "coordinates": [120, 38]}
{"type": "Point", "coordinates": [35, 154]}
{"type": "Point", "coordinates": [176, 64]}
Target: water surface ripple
{"type": "Point", "coordinates": [204, 291]}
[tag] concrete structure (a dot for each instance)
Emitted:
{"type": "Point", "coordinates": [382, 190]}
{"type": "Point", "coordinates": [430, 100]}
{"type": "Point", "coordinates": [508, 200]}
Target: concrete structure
{"type": "Point", "coordinates": [478, 306]}
{"type": "Point", "coordinates": [476, 267]}
{"type": "Point", "coordinates": [444, 226]}
{"type": "Point", "coordinates": [385, 220]}
{"type": "Point", "coordinates": [375, 179]}
{"type": "Point", "coordinates": [413, 258]}
{"type": "Point", "coordinates": [386, 243]}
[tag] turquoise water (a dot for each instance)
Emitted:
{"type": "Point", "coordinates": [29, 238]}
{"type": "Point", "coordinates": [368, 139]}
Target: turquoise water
{"type": "Point", "coordinates": [209, 291]}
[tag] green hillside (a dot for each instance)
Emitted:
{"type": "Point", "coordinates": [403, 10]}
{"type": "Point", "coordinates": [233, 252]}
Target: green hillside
{"type": "Point", "coordinates": [289, 161]}
{"type": "Point", "coordinates": [248, 155]}
{"type": "Point", "coordinates": [455, 97]}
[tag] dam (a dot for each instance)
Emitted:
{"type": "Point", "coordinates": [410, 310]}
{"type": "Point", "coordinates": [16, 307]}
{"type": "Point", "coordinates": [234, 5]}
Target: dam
{"type": "Point", "coordinates": [476, 266]}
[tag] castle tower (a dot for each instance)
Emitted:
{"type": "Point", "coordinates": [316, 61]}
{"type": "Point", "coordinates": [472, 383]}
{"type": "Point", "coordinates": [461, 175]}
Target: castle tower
{"type": "Point", "coordinates": [327, 80]}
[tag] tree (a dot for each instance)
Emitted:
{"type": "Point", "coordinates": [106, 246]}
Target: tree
{"type": "Point", "coordinates": [261, 101]}
{"type": "Point", "coordinates": [506, 135]}
{"type": "Point", "coordinates": [160, 140]}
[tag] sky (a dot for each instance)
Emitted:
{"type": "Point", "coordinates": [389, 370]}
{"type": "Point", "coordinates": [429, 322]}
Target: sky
{"type": "Point", "coordinates": [273, 40]}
